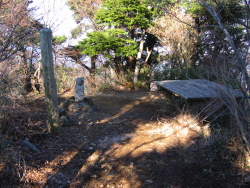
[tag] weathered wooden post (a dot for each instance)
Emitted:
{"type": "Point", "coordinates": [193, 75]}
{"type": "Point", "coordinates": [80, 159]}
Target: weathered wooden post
{"type": "Point", "coordinates": [50, 81]}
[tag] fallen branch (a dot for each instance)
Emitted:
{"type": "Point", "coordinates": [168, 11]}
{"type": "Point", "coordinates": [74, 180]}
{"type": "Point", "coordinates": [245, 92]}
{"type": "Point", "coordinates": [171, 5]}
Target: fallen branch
{"type": "Point", "coordinates": [29, 145]}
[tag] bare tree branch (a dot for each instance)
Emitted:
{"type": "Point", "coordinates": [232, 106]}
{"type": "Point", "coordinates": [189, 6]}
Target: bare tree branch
{"type": "Point", "coordinates": [238, 54]}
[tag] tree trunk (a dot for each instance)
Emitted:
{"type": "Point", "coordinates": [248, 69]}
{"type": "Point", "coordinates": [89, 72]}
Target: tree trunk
{"type": "Point", "coordinates": [149, 52]}
{"type": "Point", "coordinates": [196, 48]}
{"type": "Point", "coordinates": [120, 70]}
{"type": "Point", "coordinates": [93, 71]}
{"type": "Point", "coordinates": [25, 71]}
{"type": "Point", "coordinates": [138, 60]}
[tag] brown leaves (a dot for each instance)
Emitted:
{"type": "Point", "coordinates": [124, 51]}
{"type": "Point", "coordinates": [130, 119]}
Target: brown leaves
{"type": "Point", "coordinates": [15, 27]}
{"type": "Point", "coordinates": [85, 8]}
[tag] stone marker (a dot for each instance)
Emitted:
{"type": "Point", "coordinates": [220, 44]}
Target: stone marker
{"type": "Point", "coordinates": [79, 90]}
{"type": "Point", "coordinates": [153, 87]}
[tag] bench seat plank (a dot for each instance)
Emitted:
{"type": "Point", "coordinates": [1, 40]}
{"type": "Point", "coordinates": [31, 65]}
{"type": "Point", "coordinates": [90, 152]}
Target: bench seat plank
{"type": "Point", "coordinates": [197, 89]}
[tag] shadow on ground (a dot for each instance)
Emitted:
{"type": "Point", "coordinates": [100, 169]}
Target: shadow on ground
{"type": "Point", "coordinates": [128, 143]}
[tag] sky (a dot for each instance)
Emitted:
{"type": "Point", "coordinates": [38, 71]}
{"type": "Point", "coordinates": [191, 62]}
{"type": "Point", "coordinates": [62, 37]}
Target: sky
{"type": "Point", "coordinates": [56, 15]}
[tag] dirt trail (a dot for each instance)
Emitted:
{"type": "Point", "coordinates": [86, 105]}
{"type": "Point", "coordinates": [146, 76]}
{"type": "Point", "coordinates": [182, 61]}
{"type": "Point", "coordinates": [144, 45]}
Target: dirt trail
{"type": "Point", "coordinates": [124, 143]}
{"type": "Point", "coordinates": [137, 107]}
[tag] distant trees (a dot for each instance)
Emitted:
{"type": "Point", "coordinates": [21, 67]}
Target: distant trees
{"type": "Point", "coordinates": [84, 9]}
{"type": "Point", "coordinates": [125, 40]}
{"type": "Point", "coordinates": [239, 47]}
{"type": "Point", "coordinates": [84, 14]}
{"type": "Point", "coordinates": [16, 27]}
{"type": "Point", "coordinates": [19, 36]}
{"type": "Point", "coordinates": [232, 20]}
{"type": "Point", "coordinates": [177, 41]}
{"type": "Point", "coordinates": [210, 38]}
{"type": "Point", "coordinates": [133, 16]}
{"type": "Point", "coordinates": [203, 41]}
{"type": "Point", "coordinates": [192, 36]}
{"type": "Point", "coordinates": [115, 45]}
{"type": "Point", "coordinates": [219, 44]}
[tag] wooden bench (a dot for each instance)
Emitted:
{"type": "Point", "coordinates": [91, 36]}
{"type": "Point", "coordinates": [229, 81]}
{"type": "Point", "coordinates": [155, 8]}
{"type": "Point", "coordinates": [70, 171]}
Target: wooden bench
{"type": "Point", "coordinates": [199, 93]}
{"type": "Point", "coordinates": [196, 89]}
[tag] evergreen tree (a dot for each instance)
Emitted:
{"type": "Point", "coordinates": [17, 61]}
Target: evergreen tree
{"type": "Point", "coordinates": [210, 39]}
{"type": "Point", "coordinates": [114, 45]}
{"type": "Point", "coordinates": [134, 17]}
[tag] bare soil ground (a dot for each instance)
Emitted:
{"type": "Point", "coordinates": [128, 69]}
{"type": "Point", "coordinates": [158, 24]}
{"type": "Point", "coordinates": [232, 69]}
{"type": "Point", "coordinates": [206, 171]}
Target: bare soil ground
{"type": "Point", "coordinates": [132, 140]}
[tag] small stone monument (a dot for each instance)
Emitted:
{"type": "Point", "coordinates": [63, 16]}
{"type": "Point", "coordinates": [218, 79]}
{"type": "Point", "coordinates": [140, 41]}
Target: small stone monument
{"type": "Point", "coordinates": [79, 89]}
{"type": "Point", "coordinates": [153, 86]}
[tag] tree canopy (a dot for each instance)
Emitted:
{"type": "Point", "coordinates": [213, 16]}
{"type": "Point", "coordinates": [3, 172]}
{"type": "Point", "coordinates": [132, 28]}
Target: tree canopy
{"type": "Point", "coordinates": [110, 43]}
{"type": "Point", "coordinates": [124, 36]}
{"type": "Point", "coordinates": [129, 14]}
{"type": "Point", "coordinates": [17, 27]}
{"type": "Point", "coordinates": [192, 34]}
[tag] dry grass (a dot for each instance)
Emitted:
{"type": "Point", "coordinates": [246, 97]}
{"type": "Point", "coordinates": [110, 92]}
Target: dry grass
{"type": "Point", "coordinates": [127, 153]}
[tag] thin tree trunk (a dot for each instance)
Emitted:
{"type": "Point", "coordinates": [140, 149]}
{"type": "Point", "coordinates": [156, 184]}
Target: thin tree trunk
{"type": "Point", "coordinates": [241, 60]}
{"type": "Point", "coordinates": [242, 64]}
{"type": "Point", "coordinates": [138, 60]}
{"type": "Point", "coordinates": [120, 70]}
{"type": "Point", "coordinates": [149, 54]}
{"type": "Point", "coordinates": [92, 71]}
{"type": "Point", "coordinates": [26, 71]}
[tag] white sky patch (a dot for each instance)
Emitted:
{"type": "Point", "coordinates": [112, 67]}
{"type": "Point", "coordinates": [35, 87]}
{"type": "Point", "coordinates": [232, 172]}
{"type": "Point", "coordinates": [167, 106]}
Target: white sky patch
{"type": "Point", "coordinates": [56, 15]}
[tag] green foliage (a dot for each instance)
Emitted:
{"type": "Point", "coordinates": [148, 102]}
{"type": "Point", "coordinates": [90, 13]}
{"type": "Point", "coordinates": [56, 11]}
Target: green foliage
{"type": "Point", "coordinates": [119, 45]}
{"type": "Point", "coordinates": [59, 39]}
{"type": "Point", "coordinates": [65, 77]}
{"type": "Point", "coordinates": [182, 72]}
{"type": "Point", "coordinates": [84, 9]}
{"type": "Point", "coordinates": [230, 11]}
{"type": "Point", "coordinates": [129, 14]}
{"type": "Point", "coordinates": [144, 78]}
{"type": "Point", "coordinates": [103, 79]}
{"type": "Point", "coordinates": [196, 7]}
{"type": "Point", "coordinates": [104, 86]}
{"type": "Point", "coordinates": [108, 42]}
{"type": "Point", "coordinates": [76, 32]}
{"type": "Point", "coordinates": [160, 7]}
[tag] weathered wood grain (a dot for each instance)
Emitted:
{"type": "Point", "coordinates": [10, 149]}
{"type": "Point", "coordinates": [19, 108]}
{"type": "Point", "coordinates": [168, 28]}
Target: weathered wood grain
{"type": "Point", "coordinates": [50, 81]}
{"type": "Point", "coordinates": [197, 89]}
